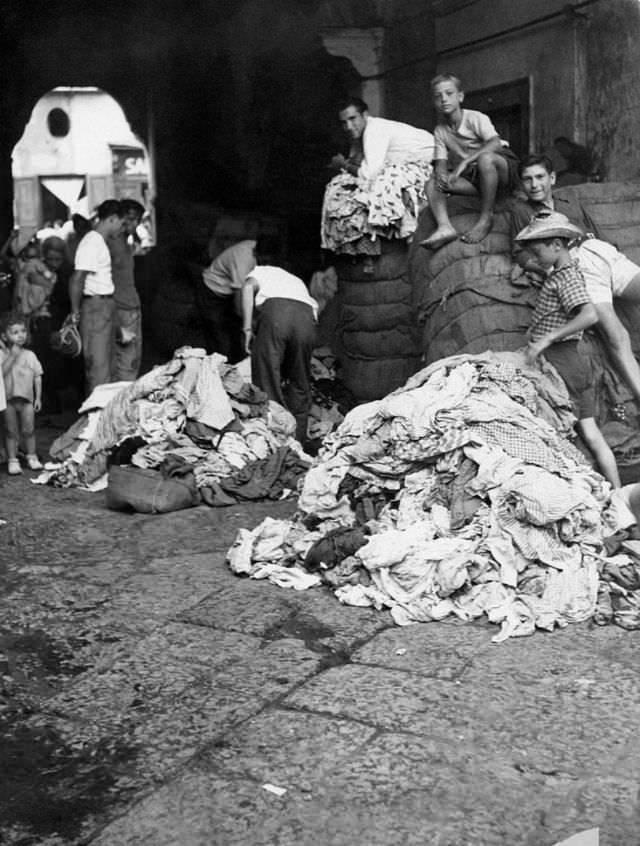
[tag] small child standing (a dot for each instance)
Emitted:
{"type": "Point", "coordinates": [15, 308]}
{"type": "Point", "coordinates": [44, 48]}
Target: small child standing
{"type": "Point", "coordinates": [563, 310]}
{"type": "Point", "coordinates": [22, 375]}
{"type": "Point", "coordinates": [470, 158]}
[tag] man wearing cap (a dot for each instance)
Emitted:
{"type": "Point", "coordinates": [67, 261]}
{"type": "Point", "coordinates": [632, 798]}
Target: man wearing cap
{"type": "Point", "coordinates": [562, 312]}
{"type": "Point", "coordinates": [607, 272]}
{"type": "Point", "coordinates": [91, 293]}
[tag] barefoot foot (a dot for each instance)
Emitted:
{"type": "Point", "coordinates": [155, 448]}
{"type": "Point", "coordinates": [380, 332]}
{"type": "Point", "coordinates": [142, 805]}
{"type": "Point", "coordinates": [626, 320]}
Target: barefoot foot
{"type": "Point", "coordinates": [478, 232]}
{"type": "Point", "coordinates": [443, 235]}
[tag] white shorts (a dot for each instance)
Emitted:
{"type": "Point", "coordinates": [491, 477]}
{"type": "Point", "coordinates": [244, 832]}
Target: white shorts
{"type": "Point", "coordinates": [606, 271]}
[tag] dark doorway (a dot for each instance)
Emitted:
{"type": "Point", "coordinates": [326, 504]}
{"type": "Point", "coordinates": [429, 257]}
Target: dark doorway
{"type": "Point", "coordinates": [508, 107]}
{"type": "Point", "coordinates": [53, 208]}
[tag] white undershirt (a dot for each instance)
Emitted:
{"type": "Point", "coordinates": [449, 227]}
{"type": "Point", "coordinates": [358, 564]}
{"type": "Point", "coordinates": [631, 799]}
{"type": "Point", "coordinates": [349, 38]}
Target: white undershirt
{"type": "Point", "coordinates": [276, 282]}
{"type": "Point", "coordinates": [94, 257]}
{"type": "Point", "coordinates": [390, 142]}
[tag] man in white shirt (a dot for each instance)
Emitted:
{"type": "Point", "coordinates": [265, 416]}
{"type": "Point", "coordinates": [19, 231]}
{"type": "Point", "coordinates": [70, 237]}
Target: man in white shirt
{"type": "Point", "coordinates": [383, 141]}
{"type": "Point", "coordinates": [380, 188]}
{"type": "Point", "coordinates": [279, 324]}
{"type": "Point", "coordinates": [91, 292]}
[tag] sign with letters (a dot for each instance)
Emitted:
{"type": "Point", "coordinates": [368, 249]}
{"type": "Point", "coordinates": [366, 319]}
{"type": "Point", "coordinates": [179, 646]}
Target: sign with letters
{"type": "Point", "coordinates": [128, 162]}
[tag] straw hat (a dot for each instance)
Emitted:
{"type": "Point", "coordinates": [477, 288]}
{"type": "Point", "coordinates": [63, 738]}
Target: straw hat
{"type": "Point", "coordinates": [549, 225]}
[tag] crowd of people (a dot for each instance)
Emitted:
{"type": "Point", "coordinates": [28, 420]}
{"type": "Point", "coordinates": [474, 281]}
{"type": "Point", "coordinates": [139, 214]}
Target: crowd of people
{"type": "Point", "coordinates": [251, 305]}
{"type": "Point", "coordinates": [578, 275]}
{"type": "Point", "coordinates": [86, 283]}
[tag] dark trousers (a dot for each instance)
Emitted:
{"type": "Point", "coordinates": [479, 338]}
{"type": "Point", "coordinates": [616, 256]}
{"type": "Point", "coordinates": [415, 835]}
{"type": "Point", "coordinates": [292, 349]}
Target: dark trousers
{"type": "Point", "coordinates": [221, 324]}
{"type": "Point", "coordinates": [284, 339]}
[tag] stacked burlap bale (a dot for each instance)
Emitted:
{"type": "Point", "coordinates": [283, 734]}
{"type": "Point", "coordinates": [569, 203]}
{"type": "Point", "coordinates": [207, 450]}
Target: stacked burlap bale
{"type": "Point", "coordinates": [464, 295]}
{"type": "Point", "coordinates": [378, 339]}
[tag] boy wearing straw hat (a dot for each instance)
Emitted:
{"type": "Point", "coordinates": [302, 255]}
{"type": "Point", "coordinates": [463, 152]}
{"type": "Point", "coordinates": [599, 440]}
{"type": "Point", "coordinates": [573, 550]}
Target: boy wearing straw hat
{"type": "Point", "coordinates": [562, 312]}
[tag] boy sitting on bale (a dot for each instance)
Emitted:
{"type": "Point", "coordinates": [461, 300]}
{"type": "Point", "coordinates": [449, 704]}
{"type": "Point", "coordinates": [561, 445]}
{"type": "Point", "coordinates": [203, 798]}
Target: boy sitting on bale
{"type": "Point", "coordinates": [470, 158]}
{"type": "Point", "coordinates": [562, 312]}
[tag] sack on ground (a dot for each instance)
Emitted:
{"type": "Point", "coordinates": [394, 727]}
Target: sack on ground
{"type": "Point", "coordinates": [148, 491]}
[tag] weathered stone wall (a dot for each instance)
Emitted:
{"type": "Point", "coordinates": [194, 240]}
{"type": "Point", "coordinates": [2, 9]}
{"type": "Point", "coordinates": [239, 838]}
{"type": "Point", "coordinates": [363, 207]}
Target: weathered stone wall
{"type": "Point", "coordinates": [582, 66]}
{"type": "Point", "coordinates": [613, 77]}
{"type": "Point", "coordinates": [410, 63]}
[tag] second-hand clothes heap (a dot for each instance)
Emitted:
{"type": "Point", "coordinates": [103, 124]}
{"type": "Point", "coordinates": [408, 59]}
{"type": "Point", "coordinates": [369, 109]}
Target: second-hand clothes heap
{"type": "Point", "coordinates": [195, 414]}
{"type": "Point", "coordinates": [458, 494]}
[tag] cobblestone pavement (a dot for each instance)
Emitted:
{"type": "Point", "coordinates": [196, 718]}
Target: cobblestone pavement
{"type": "Point", "coordinates": [148, 696]}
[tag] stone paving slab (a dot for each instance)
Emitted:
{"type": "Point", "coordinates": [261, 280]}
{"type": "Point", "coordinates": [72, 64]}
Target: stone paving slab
{"type": "Point", "coordinates": [419, 803]}
{"type": "Point", "coordinates": [176, 691]}
{"type": "Point", "coordinates": [183, 689]}
{"type": "Point", "coordinates": [441, 650]}
{"type": "Point", "coordinates": [284, 747]}
{"type": "Point", "coordinates": [550, 728]}
{"type": "Point", "coordinates": [259, 608]}
{"type": "Point", "coordinates": [244, 606]}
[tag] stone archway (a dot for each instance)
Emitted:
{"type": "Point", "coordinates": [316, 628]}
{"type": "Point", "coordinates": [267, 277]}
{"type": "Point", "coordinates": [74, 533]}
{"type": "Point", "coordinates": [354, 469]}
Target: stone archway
{"type": "Point", "coordinates": [76, 150]}
{"type": "Point", "coordinates": [255, 133]}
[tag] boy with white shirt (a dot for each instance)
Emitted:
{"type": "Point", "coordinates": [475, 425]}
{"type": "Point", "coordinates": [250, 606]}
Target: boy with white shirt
{"type": "Point", "coordinates": [91, 292]}
{"type": "Point", "coordinates": [470, 158]}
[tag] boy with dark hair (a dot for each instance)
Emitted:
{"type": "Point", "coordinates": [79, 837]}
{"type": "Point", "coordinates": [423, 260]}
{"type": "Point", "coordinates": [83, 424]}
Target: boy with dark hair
{"type": "Point", "coordinates": [537, 178]}
{"type": "Point", "coordinates": [562, 312]}
{"type": "Point", "coordinates": [607, 273]}
{"type": "Point", "coordinates": [127, 351]}
{"type": "Point", "coordinates": [470, 158]}
{"type": "Point", "coordinates": [91, 293]}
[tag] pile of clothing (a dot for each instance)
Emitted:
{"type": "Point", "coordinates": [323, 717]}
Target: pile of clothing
{"type": "Point", "coordinates": [196, 412]}
{"type": "Point", "coordinates": [459, 494]}
{"type": "Point", "coordinates": [330, 399]}
{"type": "Point", "coordinates": [357, 212]}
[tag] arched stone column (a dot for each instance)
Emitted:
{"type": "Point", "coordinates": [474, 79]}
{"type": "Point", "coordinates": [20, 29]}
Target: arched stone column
{"type": "Point", "coordinates": [364, 49]}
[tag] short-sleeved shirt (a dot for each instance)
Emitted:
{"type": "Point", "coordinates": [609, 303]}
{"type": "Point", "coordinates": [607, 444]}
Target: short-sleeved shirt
{"type": "Point", "coordinates": [276, 282]}
{"type": "Point", "coordinates": [19, 381]}
{"type": "Point", "coordinates": [562, 292]}
{"type": "Point", "coordinates": [606, 271]}
{"type": "Point", "coordinates": [227, 272]}
{"type": "Point", "coordinates": [123, 272]}
{"type": "Point", "coordinates": [474, 131]}
{"type": "Point", "coordinates": [93, 256]}
{"type": "Point", "coordinates": [391, 142]}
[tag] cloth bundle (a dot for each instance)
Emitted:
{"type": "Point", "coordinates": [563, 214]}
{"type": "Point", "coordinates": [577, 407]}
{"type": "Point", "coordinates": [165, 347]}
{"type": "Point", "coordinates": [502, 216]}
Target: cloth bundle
{"type": "Point", "coordinates": [468, 499]}
{"type": "Point", "coordinates": [194, 410]}
{"type": "Point", "coordinates": [357, 212]}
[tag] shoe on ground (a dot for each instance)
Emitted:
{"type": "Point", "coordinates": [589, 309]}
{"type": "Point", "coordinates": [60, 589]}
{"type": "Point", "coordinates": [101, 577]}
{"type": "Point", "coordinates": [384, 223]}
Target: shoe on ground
{"type": "Point", "coordinates": [13, 467]}
{"type": "Point", "coordinates": [34, 462]}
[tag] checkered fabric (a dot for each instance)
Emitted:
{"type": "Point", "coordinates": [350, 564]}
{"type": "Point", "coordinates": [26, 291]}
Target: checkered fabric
{"type": "Point", "coordinates": [561, 293]}
{"type": "Point", "coordinates": [526, 445]}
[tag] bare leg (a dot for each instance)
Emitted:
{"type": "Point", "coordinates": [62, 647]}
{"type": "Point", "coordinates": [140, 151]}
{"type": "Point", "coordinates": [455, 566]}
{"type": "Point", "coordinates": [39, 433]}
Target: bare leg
{"type": "Point", "coordinates": [632, 291]}
{"type": "Point", "coordinates": [601, 450]}
{"type": "Point", "coordinates": [444, 231]}
{"type": "Point", "coordinates": [492, 172]}
{"type": "Point", "coordinates": [27, 426]}
{"type": "Point", "coordinates": [12, 431]}
{"type": "Point", "coordinates": [619, 346]}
